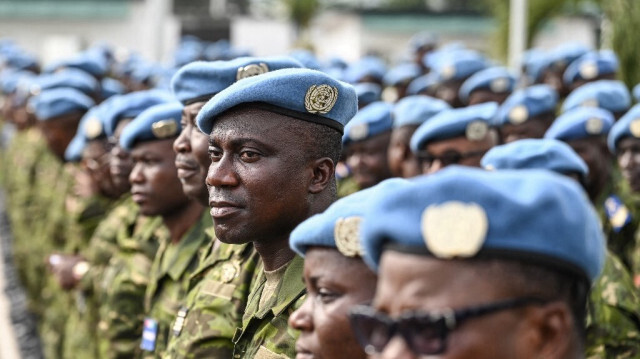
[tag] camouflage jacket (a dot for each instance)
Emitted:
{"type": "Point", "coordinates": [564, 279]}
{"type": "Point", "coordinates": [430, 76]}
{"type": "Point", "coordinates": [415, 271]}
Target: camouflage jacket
{"type": "Point", "coordinates": [218, 293]}
{"type": "Point", "coordinates": [124, 283]}
{"type": "Point", "coordinates": [169, 281]}
{"type": "Point", "coordinates": [265, 331]}
{"type": "Point", "coordinates": [613, 320]}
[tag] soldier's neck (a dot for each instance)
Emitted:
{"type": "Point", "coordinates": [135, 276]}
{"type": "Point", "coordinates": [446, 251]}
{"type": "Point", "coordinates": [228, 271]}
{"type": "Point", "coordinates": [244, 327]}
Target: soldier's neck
{"type": "Point", "coordinates": [274, 254]}
{"type": "Point", "coordinates": [179, 221]}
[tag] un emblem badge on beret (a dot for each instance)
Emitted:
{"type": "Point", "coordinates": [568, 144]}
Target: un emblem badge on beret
{"type": "Point", "coordinates": [499, 85]}
{"type": "Point", "coordinates": [320, 99]}
{"type": "Point", "coordinates": [588, 70]}
{"type": "Point", "coordinates": [518, 114]}
{"type": "Point", "coordinates": [476, 130]}
{"type": "Point", "coordinates": [164, 129]}
{"type": "Point", "coordinates": [594, 126]}
{"type": "Point", "coordinates": [448, 71]}
{"type": "Point", "coordinates": [347, 237]}
{"type": "Point", "coordinates": [592, 102]}
{"type": "Point", "coordinates": [251, 70]}
{"type": "Point", "coordinates": [93, 128]}
{"type": "Point", "coordinates": [359, 132]}
{"type": "Point", "coordinates": [454, 229]}
{"type": "Point", "coordinates": [634, 128]}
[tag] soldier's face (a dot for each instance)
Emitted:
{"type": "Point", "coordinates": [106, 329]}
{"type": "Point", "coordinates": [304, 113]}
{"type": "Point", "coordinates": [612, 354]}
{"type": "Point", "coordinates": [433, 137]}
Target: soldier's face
{"type": "Point", "coordinates": [155, 186]}
{"type": "Point", "coordinates": [192, 157]}
{"type": "Point", "coordinates": [120, 161]}
{"type": "Point", "coordinates": [409, 284]}
{"type": "Point", "coordinates": [259, 177]}
{"type": "Point", "coordinates": [628, 155]}
{"type": "Point", "coordinates": [95, 161]}
{"type": "Point", "coordinates": [458, 150]}
{"type": "Point", "coordinates": [482, 96]}
{"type": "Point", "coordinates": [58, 132]}
{"type": "Point", "coordinates": [322, 320]}
{"type": "Point", "coordinates": [596, 155]}
{"type": "Point", "coordinates": [368, 160]}
{"type": "Point", "coordinates": [532, 128]}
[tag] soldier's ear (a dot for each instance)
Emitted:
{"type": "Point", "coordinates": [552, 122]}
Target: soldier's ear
{"type": "Point", "coordinates": [323, 170]}
{"type": "Point", "coordinates": [549, 331]}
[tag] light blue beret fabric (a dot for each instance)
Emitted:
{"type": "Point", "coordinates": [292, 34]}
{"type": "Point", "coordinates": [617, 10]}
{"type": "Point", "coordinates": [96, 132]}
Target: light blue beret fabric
{"type": "Point", "coordinates": [581, 122]}
{"type": "Point", "coordinates": [57, 102]}
{"type": "Point", "coordinates": [366, 66]}
{"type": "Point", "coordinates": [131, 105]}
{"type": "Point", "coordinates": [287, 90]}
{"type": "Point", "coordinates": [423, 83]}
{"type": "Point", "coordinates": [370, 121]}
{"type": "Point", "coordinates": [141, 129]}
{"type": "Point", "coordinates": [536, 99]}
{"type": "Point", "coordinates": [622, 128]}
{"type": "Point", "coordinates": [496, 79]}
{"type": "Point", "coordinates": [535, 216]}
{"type": "Point", "coordinates": [460, 64]}
{"type": "Point", "coordinates": [70, 77]}
{"type": "Point", "coordinates": [9, 79]}
{"type": "Point", "coordinates": [201, 80]}
{"type": "Point", "coordinates": [306, 58]}
{"type": "Point", "coordinates": [319, 229]}
{"type": "Point", "coordinates": [452, 123]}
{"type": "Point", "coordinates": [111, 87]}
{"type": "Point", "coordinates": [415, 110]}
{"type": "Point", "coordinates": [18, 60]}
{"type": "Point", "coordinates": [402, 73]}
{"type": "Point", "coordinates": [547, 154]}
{"type": "Point", "coordinates": [74, 150]}
{"type": "Point", "coordinates": [591, 65]}
{"type": "Point", "coordinates": [608, 94]}
{"type": "Point", "coordinates": [423, 39]}
{"type": "Point", "coordinates": [367, 92]}
{"type": "Point", "coordinates": [90, 61]}
{"type": "Point", "coordinates": [636, 92]}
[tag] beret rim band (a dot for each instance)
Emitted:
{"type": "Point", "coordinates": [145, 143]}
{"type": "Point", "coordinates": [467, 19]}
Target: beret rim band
{"type": "Point", "coordinates": [506, 254]}
{"type": "Point", "coordinates": [202, 98]}
{"type": "Point", "coordinates": [308, 117]}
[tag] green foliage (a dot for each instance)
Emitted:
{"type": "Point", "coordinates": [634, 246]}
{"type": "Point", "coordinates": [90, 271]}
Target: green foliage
{"type": "Point", "coordinates": [302, 11]}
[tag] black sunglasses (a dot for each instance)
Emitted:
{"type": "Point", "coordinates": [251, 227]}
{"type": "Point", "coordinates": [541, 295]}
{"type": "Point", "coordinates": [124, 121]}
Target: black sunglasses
{"type": "Point", "coordinates": [424, 332]}
{"type": "Point", "coordinates": [450, 157]}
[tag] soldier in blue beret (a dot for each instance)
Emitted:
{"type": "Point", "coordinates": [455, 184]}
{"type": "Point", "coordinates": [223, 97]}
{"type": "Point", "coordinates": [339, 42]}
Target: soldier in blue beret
{"type": "Point", "coordinates": [424, 85]}
{"type": "Point", "coordinates": [119, 113]}
{"type": "Point", "coordinates": [624, 142]}
{"type": "Point", "coordinates": [398, 78]}
{"type": "Point", "coordinates": [420, 45]}
{"type": "Point", "coordinates": [453, 69]}
{"type": "Point", "coordinates": [592, 66]}
{"type": "Point", "coordinates": [472, 261]}
{"type": "Point", "coordinates": [455, 136]}
{"type": "Point", "coordinates": [286, 121]}
{"type": "Point", "coordinates": [330, 245]}
{"type": "Point", "coordinates": [367, 69]}
{"type": "Point", "coordinates": [492, 84]}
{"type": "Point", "coordinates": [367, 93]}
{"type": "Point", "coordinates": [73, 78]}
{"type": "Point", "coordinates": [205, 324]}
{"type": "Point", "coordinates": [408, 114]}
{"type": "Point", "coordinates": [585, 129]}
{"type": "Point", "coordinates": [527, 113]}
{"type": "Point", "coordinates": [551, 68]}
{"type": "Point", "coordinates": [366, 141]}
{"type": "Point", "coordinates": [610, 95]}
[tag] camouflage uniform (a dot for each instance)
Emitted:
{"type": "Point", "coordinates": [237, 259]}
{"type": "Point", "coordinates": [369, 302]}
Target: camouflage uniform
{"type": "Point", "coordinates": [124, 283]}
{"type": "Point", "coordinates": [169, 281]}
{"type": "Point", "coordinates": [265, 331]}
{"type": "Point", "coordinates": [613, 322]}
{"type": "Point", "coordinates": [218, 292]}
{"type": "Point", "coordinates": [80, 331]}
{"type": "Point", "coordinates": [347, 186]}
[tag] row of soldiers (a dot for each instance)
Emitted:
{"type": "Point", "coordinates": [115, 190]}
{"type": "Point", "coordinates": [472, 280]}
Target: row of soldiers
{"type": "Point", "coordinates": [109, 177]}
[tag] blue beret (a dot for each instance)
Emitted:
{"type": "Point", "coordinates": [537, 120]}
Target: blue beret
{"type": "Point", "coordinates": [460, 64]}
{"type": "Point", "coordinates": [304, 94]}
{"type": "Point", "coordinates": [131, 105]}
{"type": "Point", "coordinates": [423, 39]}
{"type": "Point", "coordinates": [306, 58]}
{"type": "Point", "coordinates": [472, 121]}
{"type": "Point", "coordinates": [371, 120]}
{"type": "Point", "coordinates": [89, 128]}
{"type": "Point", "coordinates": [415, 110]}
{"type": "Point", "coordinates": [18, 60]}
{"type": "Point", "coordinates": [188, 51]}
{"type": "Point", "coordinates": [73, 152]}
{"type": "Point", "coordinates": [402, 73]}
{"type": "Point", "coordinates": [627, 126]}
{"type": "Point", "coordinates": [338, 226]}
{"type": "Point", "coordinates": [157, 122]}
{"type": "Point", "coordinates": [581, 122]}
{"type": "Point", "coordinates": [367, 92]}
{"type": "Point", "coordinates": [536, 65]}
{"type": "Point", "coordinates": [423, 83]}
{"type": "Point", "coordinates": [526, 103]}
{"type": "Point", "coordinates": [608, 94]}
{"type": "Point", "coordinates": [534, 216]}
{"type": "Point", "coordinates": [91, 61]}
{"type": "Point", "coordinates": [199, 81]}
{"type": "Point", "coordinates": [636, 92]}
{"type": "Point", "coordinates": [70, 77]}
{"type": "Point", "coordinates": [111, 87]}
{"type": "Point", "coordinates": [547, 154]}
{"type": "Point", "coordinates": [367, 66]}
{"type": "Point", "coordinates": [591, 65]}
{"type": "Point", "coordinates": [57, 102]}
{"type": "Point", "coordinates": [9, 79]}
{"type": "Point", "coordinates": [495, 79]}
